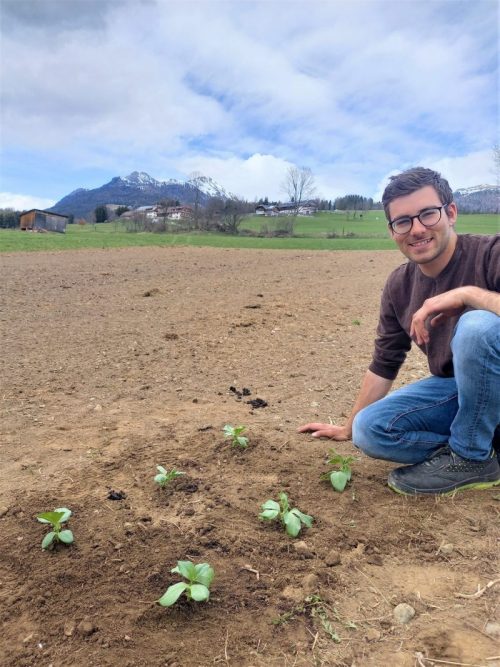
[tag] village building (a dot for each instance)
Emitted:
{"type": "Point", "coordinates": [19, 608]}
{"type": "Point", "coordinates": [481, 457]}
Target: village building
{"type": "Point", "coordinates": [289, 208]}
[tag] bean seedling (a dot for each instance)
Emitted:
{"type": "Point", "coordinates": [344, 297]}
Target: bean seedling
{"type": "Point", "coordinates": [165, 476]}
{"type": "Point", "coordinates": [234, 432]}
{"type": "Point", "coordinates": [339, 478]}
{"type": "Point", "coordinates": [57, 534]}
{"type": "Point", "coordinates": [198, 589]}
{"type": "Point", "coordinates": [291, 518]}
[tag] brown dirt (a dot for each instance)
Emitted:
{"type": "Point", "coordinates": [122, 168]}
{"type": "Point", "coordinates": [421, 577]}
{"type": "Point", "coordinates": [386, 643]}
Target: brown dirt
{"type": "Point", "coordinates": [116, 361]}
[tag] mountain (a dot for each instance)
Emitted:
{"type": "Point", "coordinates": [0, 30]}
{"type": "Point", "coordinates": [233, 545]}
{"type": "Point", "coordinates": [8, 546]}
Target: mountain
{"type": "Point", "coordinates": [478, 199]}
{"type": "Point", "coordinates": [138, 189]}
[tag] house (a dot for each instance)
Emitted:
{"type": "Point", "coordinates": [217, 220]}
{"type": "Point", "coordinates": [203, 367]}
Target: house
{"type": "Point", "coordinates": [179, 212]}
{"type": "Point", "coordinates": [267, 210]}
{"type": "Point", "coordinates": [289, 208]}
{"type": "Point", "coordinates": [37, 220]}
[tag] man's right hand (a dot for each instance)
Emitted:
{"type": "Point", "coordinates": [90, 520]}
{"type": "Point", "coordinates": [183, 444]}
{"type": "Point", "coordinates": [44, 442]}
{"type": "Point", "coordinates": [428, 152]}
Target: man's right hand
{"type": "Point", "coordinates": [331, 431]}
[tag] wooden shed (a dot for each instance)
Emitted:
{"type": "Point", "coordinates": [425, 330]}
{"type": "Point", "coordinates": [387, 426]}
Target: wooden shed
{"type": "Point", "coordinates": [37, 221]}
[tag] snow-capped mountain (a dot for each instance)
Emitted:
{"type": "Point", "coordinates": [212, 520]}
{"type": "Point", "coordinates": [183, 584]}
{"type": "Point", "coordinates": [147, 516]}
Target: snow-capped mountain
{"type": "Point", "coordinates": [478, 199]}
{"type": "Point", "coordinates": [139, 189]}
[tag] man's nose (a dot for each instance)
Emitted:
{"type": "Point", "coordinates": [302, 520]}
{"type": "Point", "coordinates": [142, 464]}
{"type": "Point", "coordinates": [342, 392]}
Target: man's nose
{"type": "Point", "coordinates": [417, 226]}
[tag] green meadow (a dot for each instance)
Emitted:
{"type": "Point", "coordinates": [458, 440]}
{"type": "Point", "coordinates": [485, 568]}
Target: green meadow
{"type": "Point", "coordinates": [324, 231]}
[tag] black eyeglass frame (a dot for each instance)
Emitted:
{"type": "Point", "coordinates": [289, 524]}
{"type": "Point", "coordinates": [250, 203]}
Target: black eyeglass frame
{"type": "Point", "coordinates": [411, 218]}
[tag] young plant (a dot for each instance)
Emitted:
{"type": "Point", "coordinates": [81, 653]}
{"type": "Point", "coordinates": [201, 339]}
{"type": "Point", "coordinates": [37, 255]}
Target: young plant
{"type": "Point", "coordinates": [291, 518]}
{"type": "Point", "coordinates": [339, 478]}
{"type": "Point", "coordinates": [57, 534]}
{"type": "Point", "coordinates": [198, 589]}
{"type": "Point", "coordinates": [234, 432]}
{"type": "Point", "coordinates": [165, 476]}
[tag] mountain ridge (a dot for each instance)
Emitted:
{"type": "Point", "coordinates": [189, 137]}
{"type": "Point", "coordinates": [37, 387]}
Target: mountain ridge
{"type": "Point", "coordinates": [138, 189]}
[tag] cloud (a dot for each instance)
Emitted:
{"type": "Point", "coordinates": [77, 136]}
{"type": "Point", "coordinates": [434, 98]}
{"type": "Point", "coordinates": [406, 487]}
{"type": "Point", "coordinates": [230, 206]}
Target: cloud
{"type": "Point", "coordinates": [464, 171]}
{"type": "Point", "coordinates": [251, 178]}
{"type": "Point", "coordinates": [23, 202]}
{"type": "Point", "coordinates": [161, 85]}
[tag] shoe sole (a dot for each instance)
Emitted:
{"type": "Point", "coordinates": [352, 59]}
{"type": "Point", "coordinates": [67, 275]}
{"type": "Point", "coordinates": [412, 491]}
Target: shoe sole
{"type": "Point", "coordinates": [465, 487]}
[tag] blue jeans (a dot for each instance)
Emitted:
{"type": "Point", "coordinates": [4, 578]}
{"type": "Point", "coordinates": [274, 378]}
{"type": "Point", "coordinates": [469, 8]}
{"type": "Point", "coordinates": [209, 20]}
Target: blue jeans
{"type": "Point", "coordinates": [411, 423]}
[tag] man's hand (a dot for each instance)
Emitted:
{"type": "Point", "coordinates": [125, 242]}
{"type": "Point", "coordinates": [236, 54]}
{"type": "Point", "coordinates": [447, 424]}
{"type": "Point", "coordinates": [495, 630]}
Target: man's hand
{"type": "Point", "coordinates": [319, 430]}
{"type": "Point", "coordinates": [435, 311]}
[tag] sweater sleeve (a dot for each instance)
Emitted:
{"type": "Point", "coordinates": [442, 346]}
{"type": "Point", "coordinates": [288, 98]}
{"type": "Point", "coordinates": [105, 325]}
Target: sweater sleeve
{"type": "Point", "coordinates": [492, 261]}
{"type": "Point", "coordinates": [392, 342]}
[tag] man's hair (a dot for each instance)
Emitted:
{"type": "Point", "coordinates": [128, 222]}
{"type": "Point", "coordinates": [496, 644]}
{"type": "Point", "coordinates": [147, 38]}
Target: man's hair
{"type": "Point", "coordinates": [413, 179]}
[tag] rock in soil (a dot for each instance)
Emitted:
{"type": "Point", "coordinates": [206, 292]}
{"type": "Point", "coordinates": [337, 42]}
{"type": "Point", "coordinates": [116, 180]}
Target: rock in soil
{"type": "Point", "coordinates": [403, 613]}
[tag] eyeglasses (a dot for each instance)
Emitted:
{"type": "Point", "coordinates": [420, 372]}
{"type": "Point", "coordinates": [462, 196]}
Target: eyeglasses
{"type": "Point", "coordinates": [428, 217]}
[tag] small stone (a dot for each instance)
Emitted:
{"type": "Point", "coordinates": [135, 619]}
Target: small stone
{"type": "Point", "coordinates": [86, 627]}
{"type": "Point", "coordinates": [98, 408]}
{"type": "Point", "coordinates": [403, 613]}
{"type": "Point", "coordinates": [310, 583]}
{"type": "Point", "coordinates": [127, 638]}
{"type": "Point", "coordinates": [372, 635]}
{"type": "Point", "coordinates": [293, 594]}
{"type": "Point", "coordinates": [446, 548]}
{"type": "Point", "coordinates": [302, 549]}
{"type": "Point", "coordinates": [493, 630]}
{"type": "Point", "coordinates": [69, 628]}
{"type": "Point", "coordinates": [333, 558]}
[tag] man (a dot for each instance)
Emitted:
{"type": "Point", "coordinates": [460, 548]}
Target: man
{"type": "Point", "coordinates": [446, 299]}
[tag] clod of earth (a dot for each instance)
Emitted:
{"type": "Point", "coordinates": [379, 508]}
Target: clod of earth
{"type": "Point", "coordinates": [258, 403]}
{"type": "Point", "coordinates": [116, 495]}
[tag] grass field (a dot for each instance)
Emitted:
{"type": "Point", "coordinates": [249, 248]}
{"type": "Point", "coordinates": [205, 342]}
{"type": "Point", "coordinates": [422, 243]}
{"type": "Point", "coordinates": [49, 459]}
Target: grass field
{"type": "Point", "coordinates": [310, 234]}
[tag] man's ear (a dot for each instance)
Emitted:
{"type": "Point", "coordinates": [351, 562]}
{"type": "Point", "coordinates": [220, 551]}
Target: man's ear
{"type": "Point", "coordinates": [452, 213]}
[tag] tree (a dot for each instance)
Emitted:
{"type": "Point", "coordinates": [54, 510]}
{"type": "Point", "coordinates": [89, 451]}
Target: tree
{"type": "Point", "coordinates": [299, 186]}
{"type": "Point", "coordinates": [101, 214]}
{"type": "Point", "coordinates": [120, 210]}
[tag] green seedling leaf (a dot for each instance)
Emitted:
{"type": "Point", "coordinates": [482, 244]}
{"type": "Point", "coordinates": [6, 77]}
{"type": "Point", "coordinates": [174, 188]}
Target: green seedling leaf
{"type": "Point", "coordinates": [204, 574]}
{"type": "Point", "coordinates": [199, 592]}
{"type": "Point", "coordinates": [186, 568]}
{"type": "Point", "coordinates": [284, 502]}
{"type": "Point", "coordinates": [66, 514]}
{"type": "Point", "coordinates": [234, 432]}
{"type": "Point", "coordinates": [165, 476]}
{"type": "Point", "coordinates": [292, 523]}
{"type": "Point", "coordinates": [48, 539]}
{"type": "Point", "coordinates": [172, 594]}
{"type": "Point", "coordinates": [292, 519]}
{"type": "Point", "coordinates": [200, 577]}
{"type": "Point", "coordinates": [306, 519]}
{"type": "Point", "coordinates": [53, 518]}
{"type": "Point", "coordinates": [66, 536]}
{"type": "Point", "coordinates": [339, 480]}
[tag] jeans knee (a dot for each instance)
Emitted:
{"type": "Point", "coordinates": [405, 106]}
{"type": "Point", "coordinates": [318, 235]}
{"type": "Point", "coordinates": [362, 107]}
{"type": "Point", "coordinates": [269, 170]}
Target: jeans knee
{"type": "Point", "coordinates": [364, 433]}
{"type": "Point", "coordinates": [475, 330]}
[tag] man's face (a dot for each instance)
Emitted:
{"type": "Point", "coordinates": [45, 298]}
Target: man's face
{"type": "Point", "coordinates": [431, 247]}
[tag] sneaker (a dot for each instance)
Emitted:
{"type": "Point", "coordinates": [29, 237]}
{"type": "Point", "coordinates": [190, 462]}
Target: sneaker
{"type": "Point", "coordinates": [444, 473]}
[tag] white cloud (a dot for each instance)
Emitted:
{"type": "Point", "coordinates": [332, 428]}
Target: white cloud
{"type": "Point", "coordinates": [461, 172]}
{"type": "Point", "coordinates": [164, 84]}
{"type": "Point", "coordinates": [251, 178]}
{"type": "Point", "coordinates": [23, 202]}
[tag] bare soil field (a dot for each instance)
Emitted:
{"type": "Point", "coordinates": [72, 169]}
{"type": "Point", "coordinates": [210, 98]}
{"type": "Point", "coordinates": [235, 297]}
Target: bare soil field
{"type": "Point", "coordinates": [114, 362]}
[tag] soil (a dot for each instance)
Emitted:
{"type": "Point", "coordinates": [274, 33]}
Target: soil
{"type": "Point", "coordinates": [117, 361]}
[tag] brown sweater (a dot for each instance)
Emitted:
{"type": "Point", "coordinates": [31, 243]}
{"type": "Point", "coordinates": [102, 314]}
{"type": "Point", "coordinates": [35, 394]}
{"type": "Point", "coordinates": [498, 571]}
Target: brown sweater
{"type": "Point", "coordinates": [476, 261]}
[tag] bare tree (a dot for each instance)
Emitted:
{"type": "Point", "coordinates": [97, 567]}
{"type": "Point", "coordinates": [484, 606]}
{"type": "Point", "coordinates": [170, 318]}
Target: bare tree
{"type": "Point", "coordinates": [299, 186]}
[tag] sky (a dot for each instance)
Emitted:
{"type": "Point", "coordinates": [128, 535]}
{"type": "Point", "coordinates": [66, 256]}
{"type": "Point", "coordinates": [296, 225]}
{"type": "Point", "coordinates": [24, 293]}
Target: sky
{"type": "Point", "coordinates": [354, 90]}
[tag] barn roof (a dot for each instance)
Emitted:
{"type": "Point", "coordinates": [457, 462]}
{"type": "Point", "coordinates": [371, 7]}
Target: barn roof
{"type": "Point", "coordinates": [39, 210]}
